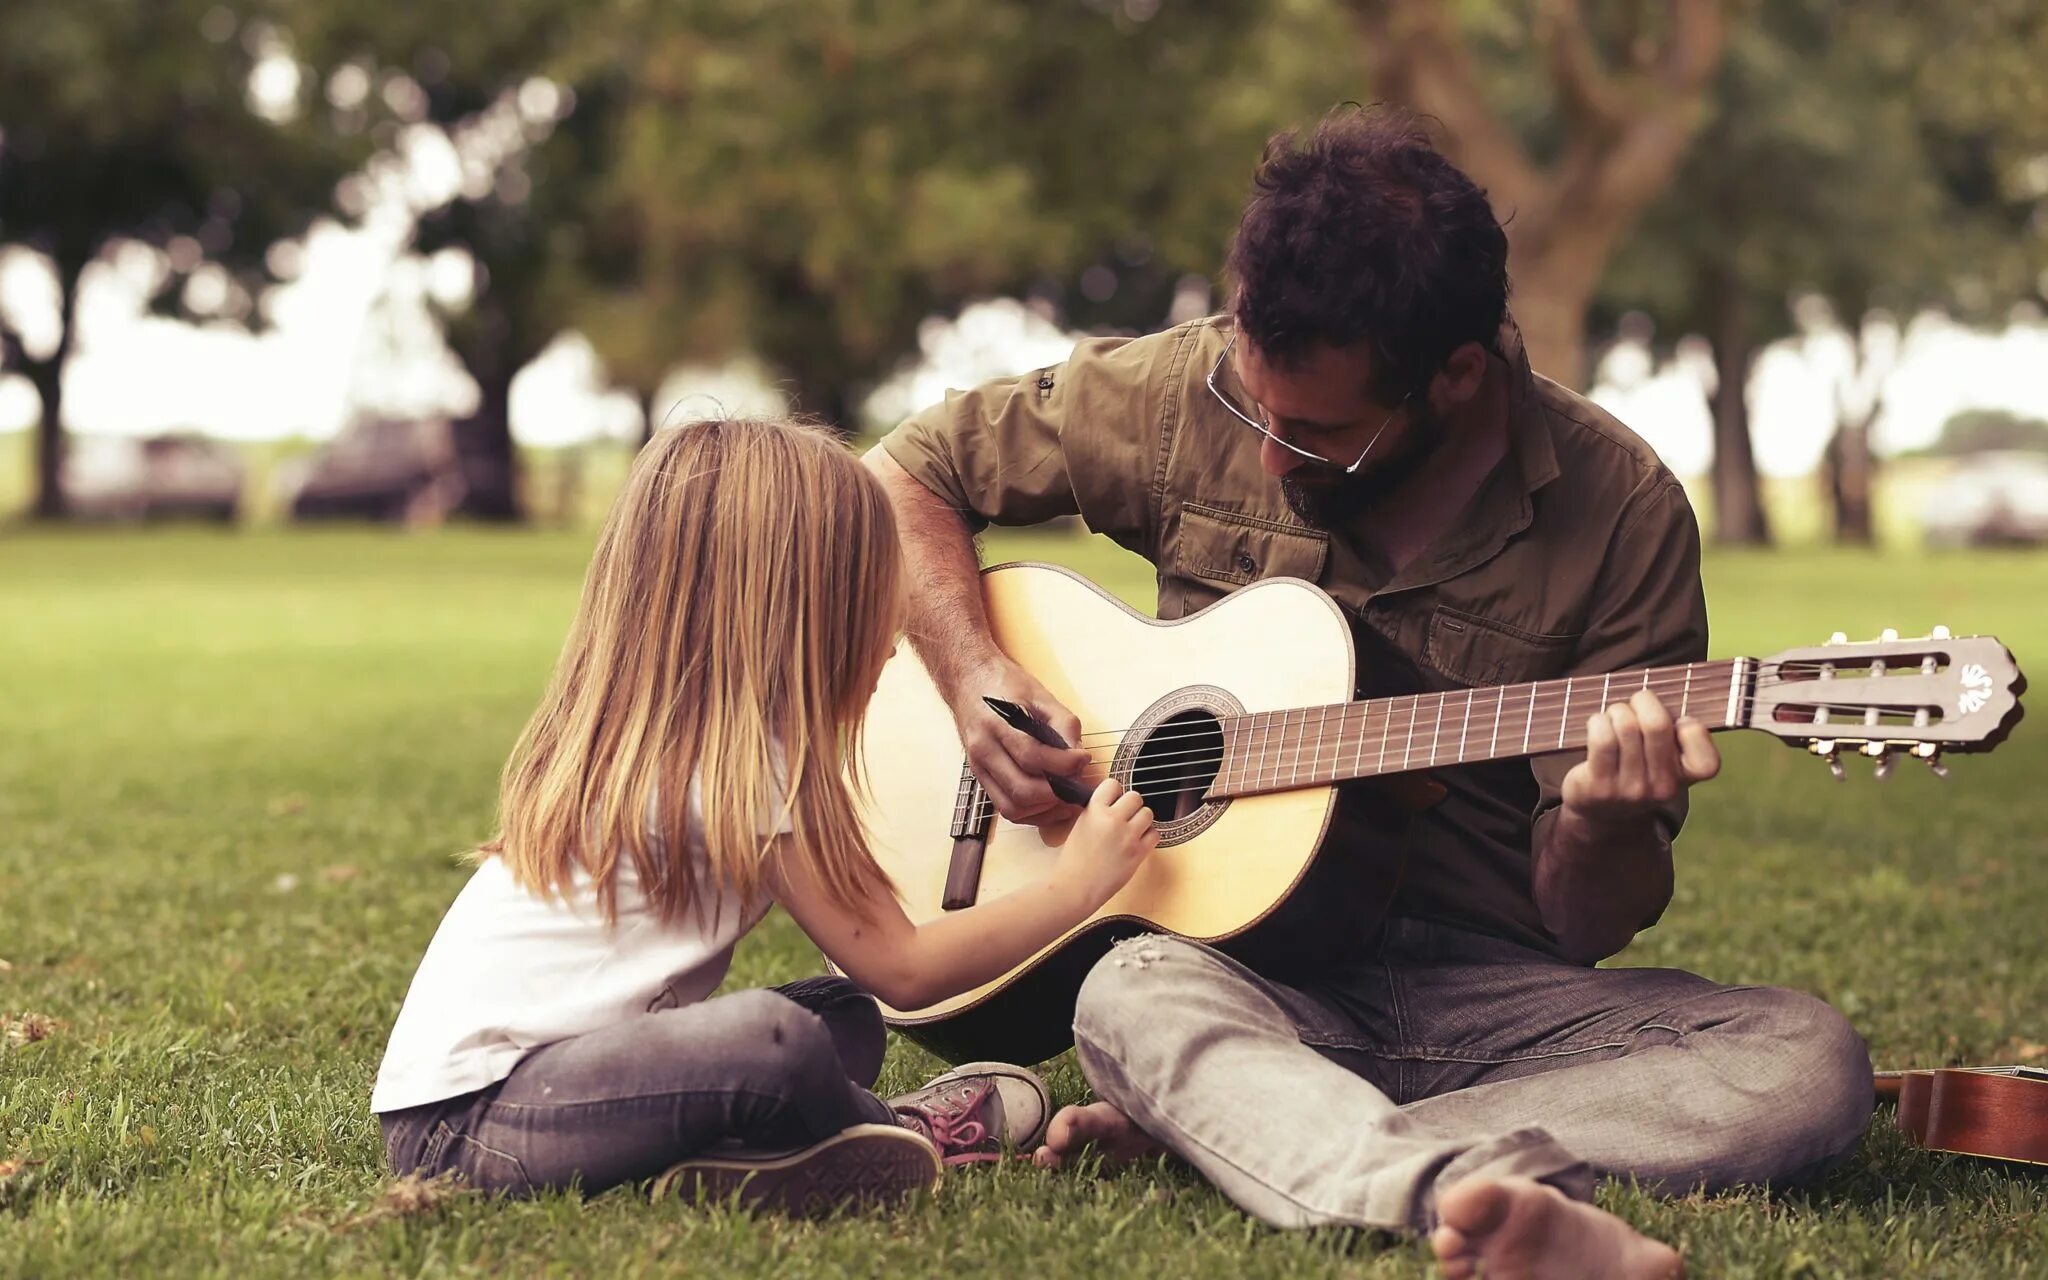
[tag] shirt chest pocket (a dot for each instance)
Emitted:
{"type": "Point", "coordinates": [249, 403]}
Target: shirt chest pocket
{"type": "Point", "coordinates": [1230, 549]}
{"type": "Point", "coordinates": [1474, 650]}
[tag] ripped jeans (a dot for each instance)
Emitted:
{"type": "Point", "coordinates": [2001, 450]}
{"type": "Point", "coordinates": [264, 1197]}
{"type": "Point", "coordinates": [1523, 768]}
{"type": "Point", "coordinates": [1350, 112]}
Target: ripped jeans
{"type": "Point", "coordinates": [1442, 1055]}
{"type": "Point", "coordinates": [757, 1071]}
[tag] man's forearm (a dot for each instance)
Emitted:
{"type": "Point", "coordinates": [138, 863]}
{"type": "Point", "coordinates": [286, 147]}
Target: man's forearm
{"type": "Point", "coordinates": [947, 621]}
{"type": "Point", "coordinates": [1597, 886]}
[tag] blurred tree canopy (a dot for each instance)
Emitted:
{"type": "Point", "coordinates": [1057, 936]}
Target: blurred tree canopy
{"type": "Point", "coordinates": [125, 122]}
{"type": "Point", "coordinates": [1859, 166]}
{"type": "Point", "coordinates": [1572, 116]}
{"type": "Point", "coordinates": [808, 180]}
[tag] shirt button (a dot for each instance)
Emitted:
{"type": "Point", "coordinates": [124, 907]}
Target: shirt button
{"type": "Point", "coordinates": [1245, 563]}
{"type": "Point", "coordinates": [1045, 383]}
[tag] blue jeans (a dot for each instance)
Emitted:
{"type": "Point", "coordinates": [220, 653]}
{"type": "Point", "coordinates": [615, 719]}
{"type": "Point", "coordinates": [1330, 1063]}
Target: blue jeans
{"type": "Point", "coordinates": [1438, 1055]}
{"type": "Point", "coordinates": [760, 1071]}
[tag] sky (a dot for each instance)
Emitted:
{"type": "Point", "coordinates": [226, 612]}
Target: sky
{"type": "Point", "coordinates": [353, 333]}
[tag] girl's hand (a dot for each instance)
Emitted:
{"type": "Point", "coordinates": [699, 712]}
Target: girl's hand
{"type": "Point", "coordinates": [1115, 834]}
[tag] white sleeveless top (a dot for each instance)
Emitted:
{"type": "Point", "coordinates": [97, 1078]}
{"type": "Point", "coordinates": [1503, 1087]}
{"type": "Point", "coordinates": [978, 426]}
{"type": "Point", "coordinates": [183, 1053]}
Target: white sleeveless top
{"type": "Point", "coordinates": [509, 971]}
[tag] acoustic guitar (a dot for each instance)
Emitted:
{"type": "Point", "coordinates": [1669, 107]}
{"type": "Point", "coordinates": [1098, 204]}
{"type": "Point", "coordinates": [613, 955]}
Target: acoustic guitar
{"type": "Point", "coordinates": [1999, 1113]}
{"type": "Point", "coordinates": [1237, 724]}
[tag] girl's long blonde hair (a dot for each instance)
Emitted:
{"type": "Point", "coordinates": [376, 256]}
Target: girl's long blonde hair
{"type": "Point", "coordinates": [745, 593]}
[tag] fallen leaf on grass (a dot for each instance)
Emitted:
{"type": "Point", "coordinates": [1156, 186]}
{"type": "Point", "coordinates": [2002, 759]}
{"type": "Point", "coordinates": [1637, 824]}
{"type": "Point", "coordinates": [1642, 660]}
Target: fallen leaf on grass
{"type": "Point", "coordinates": [285, 883]}
{"type": "Point", "coordinates": [6, 967]}
{"type": "Point", "coordinates": [28, 1028]}
{"type": "Point", "coordinates": [340, 872]}
{"type": "Point", "coordinates": [9, 1168]}
{"type": "Point", "coordinates": [285, 806]}
{"type": "Point", "coordinates": [2029, 1052]}
{"type": "Point", "coordinates": [407, 1197]}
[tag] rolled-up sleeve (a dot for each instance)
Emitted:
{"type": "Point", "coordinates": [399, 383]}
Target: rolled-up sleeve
{"type": "Point", "coordinates": [1074, 439]}
{"type": "Point", "coordinates": [1650, 611]}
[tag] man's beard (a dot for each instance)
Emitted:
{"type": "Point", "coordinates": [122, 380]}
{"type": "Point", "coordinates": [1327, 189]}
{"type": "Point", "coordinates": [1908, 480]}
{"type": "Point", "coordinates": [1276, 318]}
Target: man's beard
{"type": "Point", "coordinates": [1335, 502]}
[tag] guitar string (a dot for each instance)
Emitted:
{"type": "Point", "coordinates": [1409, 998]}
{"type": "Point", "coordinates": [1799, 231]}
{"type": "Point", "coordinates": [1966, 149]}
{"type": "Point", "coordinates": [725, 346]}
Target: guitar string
{"type": "Point", "coordinates": [1292, 757]}
{"type": "Point", "coordinates": [1548, 690]}
{"type": "Point", "coordinates": [1542, 705]}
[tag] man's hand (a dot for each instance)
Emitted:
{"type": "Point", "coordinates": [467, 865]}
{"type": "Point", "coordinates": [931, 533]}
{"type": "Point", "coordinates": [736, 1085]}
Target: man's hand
{"type": "Point", "coordinates": [1011, 765]}
{"type": "Point", "coordinates": [1637, 759]}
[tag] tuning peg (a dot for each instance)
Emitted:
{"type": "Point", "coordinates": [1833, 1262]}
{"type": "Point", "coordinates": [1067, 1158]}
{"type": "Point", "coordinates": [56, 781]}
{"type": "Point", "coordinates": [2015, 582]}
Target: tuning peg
{"type": "Point", "coordinates": [1940, 633]}
{"type": "Point", "coordinates": [1884, 768]}
{"type": "Point", "coordinates": [1835, 767]}
{"type": "Point", "coordinates": [1934, 763]}
{"type": "Point", "coordinates": [1889, 634]}
{"type": "Point", "coordinates": [1840, 637]}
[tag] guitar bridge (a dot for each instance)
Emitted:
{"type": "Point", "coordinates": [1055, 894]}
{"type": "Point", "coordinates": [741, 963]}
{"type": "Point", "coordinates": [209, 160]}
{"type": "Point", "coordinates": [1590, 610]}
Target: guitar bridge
{"type": "Point", "coordinates": [972, 813]}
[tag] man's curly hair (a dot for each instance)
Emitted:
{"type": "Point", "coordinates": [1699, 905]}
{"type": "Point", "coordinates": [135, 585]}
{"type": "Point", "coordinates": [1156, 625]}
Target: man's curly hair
{"type": "Point", "coordinates": [1367, 233]}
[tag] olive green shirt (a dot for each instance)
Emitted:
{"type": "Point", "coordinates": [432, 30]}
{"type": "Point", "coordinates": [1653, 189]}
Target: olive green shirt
{"type": "Point", "coordinates": [1578, 554]}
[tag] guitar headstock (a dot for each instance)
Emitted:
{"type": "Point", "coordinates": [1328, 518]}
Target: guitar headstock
{"type": "Point", "coordinates": [1926, 696]}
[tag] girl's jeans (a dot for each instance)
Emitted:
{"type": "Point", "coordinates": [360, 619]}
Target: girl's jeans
{"type": "Point", "coordinates": [754, 1071]}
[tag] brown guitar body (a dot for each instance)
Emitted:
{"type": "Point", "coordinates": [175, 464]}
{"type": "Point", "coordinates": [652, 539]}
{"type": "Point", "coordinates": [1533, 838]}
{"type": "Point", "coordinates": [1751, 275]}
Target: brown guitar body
{"type": "Point", "coordinates": [1220, 871]}
{"type": "Point", "coordinates": [2000, 1113]}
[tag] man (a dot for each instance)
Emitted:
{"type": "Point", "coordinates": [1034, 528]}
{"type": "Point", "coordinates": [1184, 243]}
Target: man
{"type": "Point", "coordinates": [1365, 418]}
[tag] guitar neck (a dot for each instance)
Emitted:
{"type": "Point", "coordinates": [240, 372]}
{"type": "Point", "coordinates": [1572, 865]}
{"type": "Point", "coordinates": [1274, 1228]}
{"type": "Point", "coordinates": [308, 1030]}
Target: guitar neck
{"type": "Point", "coordinates": [1316, 746]}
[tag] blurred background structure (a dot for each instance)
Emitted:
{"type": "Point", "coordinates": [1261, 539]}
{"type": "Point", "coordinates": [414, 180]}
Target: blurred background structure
{"type": "Point", "coordinates": [364, 259]}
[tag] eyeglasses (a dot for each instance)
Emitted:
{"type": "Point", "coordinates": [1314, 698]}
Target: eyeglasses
{"type": "Point", "coordinates": [1288, 445]}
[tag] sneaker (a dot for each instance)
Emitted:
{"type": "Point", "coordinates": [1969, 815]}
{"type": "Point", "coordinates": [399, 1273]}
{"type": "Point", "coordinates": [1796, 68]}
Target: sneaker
{"type": "Point", "coordinates": [977, 1111]}
{"type": "Point", "coordinates": [871, 1164]}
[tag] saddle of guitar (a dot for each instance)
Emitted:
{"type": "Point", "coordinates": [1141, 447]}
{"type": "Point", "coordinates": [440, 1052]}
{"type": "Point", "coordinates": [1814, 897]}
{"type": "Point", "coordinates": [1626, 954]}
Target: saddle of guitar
{"type": "Point", "coordinates": [1220, 868]}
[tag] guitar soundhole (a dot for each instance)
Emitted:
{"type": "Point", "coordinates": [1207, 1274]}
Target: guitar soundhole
{"type": "Point", "coordinates": [1179, 759]}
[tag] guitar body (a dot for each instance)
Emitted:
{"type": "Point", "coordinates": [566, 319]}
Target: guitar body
{"type": "Point", "coordinates": [1999, 1113]}
{"type": "Point", "coordinates": [1237, 724]}
{"type": "Point", "coordinates": [1222, 867]}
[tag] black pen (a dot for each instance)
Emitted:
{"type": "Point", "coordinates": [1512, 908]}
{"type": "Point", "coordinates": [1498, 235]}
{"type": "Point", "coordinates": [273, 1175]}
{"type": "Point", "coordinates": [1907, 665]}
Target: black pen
{"type": "Point", "coordinates": [1071, 790]}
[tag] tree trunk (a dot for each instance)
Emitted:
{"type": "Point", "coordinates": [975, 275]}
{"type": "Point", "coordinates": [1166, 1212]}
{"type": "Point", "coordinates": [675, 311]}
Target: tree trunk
{"type": "Point", "coordinates": [649, 422]}
{"type": "Point", "coordinates": [48, 378]}
{"type": "Point", "coordinates": [483, 446]}
{"type": "Point", "coordinates": [1851, 472]}
{"type": "Point", "coordinates": [1552, 318]}
{"type": "Point", "coordinates": [822, 393]}
{"type": "Point", "coordinates": [1739, 516]}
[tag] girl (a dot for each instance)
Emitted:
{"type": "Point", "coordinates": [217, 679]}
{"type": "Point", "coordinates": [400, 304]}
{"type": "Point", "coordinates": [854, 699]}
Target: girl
{"type": "Point", "coordinates": [689, 764]}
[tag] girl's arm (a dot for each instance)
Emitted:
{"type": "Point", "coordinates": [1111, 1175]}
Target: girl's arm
{"type": "Point", "coordinates": [910, 966]}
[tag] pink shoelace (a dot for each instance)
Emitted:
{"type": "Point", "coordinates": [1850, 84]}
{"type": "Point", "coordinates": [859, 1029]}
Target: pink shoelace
{"type": "Point", "coordinates": [954, 1124]}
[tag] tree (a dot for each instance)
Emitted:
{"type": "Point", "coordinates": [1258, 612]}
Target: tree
{"type": "Point", "coordinates": [1824, 197]}
{"type": "Point", "coordinates": [121, 122]}
{"type": "Point", "coordinates": [1627, 88]}
{"type": "Point", "coordinates": [519, 101]}
{"type": "Point", "coordinates": [810, 181]}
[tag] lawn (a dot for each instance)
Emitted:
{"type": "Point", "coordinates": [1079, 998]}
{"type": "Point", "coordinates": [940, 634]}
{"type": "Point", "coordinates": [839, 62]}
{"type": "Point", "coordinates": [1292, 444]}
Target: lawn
{"type": "Point", "coordinates": [234, 771]}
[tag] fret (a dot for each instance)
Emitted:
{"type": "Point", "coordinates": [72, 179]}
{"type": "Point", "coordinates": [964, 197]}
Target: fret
{"type": "Point", "coordinates": [1734, 690]}
{"type": "Point", "coordinates": [1605, 681]}
{"type": "Point", "coordinates": [1386, 731]}
{"type": "Point", "coordinates": [1685, 698]}
{"type": "Point", "coordinates": [1265, 741]}
{"type": "Point", "coordinates": [1293, 739]}
{"type": "Point", "coordinates": [1433, 733]}
{"type": "Point", "coordinates": [1466, 725]}
{"type": "Point", "coordinates": [1564, 717]}
{"type": "Point", "coordinates": [1358, 739]}
{"type": "Point", "coordinates": [1530, 723]}
{"type": "Point", "coordinates": [1409, 745]}
{"type": "Point", "coordinates": [1493, 747]}
{"type": "Point", "coordinates": [1315, 762]}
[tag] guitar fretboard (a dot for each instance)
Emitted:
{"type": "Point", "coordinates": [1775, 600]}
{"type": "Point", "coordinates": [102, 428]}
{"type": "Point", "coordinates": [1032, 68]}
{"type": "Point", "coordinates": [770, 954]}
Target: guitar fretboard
{"type": "Point", "coordinates": [1312, 746]}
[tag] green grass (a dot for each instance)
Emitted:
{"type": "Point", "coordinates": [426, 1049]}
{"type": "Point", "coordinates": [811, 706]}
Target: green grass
{"type": "Point", "coordinates": [234, 768]}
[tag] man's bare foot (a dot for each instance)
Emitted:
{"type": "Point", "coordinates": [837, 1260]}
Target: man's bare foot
{"type": "Point", "coordinates": [1098, 1125]}
{"type": "Point", "coordinates": [1515, 1229]}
